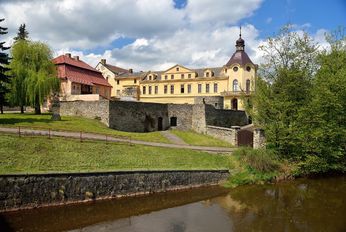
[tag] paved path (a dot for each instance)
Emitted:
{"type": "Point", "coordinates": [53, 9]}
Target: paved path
{"type": "Point", "coordinates": [173, 138]}
{"type": "Point", "coordinates": [109, 138]}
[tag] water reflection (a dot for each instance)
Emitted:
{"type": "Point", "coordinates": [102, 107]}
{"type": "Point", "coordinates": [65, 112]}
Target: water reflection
{"type": "Point", "coordinates": [302, 205]}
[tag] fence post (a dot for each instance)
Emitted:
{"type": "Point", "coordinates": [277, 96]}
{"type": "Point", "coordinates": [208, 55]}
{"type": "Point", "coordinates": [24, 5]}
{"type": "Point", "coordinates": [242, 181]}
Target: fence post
{"type": "Point", "coordinates": [49, 133]}
{"type": "Point", "coordinates": [19, 131]}
{"type": "Point", "coordinates": [106, 138]}
{"type": "Point", "coordinates": [80, 136]}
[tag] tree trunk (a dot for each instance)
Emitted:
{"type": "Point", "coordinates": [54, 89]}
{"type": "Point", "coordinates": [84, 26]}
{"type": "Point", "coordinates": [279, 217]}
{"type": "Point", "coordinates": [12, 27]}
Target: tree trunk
{"type": "Point", "coordinates": [1, 108]}
{"type": "Point", "coordinates": [22, 109]}
{"type": "Point", "coordinates": [37, 107]}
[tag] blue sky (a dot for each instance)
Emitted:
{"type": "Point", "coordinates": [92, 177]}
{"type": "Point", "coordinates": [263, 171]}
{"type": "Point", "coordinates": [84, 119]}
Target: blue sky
{"type": "Point", "coordinates": [309, 15]}
{"type": "Point", "coordinates": [157, 34]}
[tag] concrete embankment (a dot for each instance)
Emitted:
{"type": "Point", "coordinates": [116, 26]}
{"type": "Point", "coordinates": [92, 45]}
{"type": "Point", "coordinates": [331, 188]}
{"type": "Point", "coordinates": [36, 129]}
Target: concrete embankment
{"type": "Point", "coordinates": [37, 190]}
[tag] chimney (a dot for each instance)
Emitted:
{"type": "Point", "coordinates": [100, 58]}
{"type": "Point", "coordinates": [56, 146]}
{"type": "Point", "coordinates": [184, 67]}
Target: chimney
{"type": "Point", "coordinates": [130, 70]}
{"type": "Point", "coordinates": [68, 54]}
{"type": "Point", "coordinates": [103, 61]}
{"type": "Point", "coordinates": [76, 58]}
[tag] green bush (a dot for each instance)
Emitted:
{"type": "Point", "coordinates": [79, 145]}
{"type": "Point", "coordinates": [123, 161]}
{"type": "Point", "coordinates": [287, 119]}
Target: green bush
{"type": "Point", "coordinates": [261, 160]}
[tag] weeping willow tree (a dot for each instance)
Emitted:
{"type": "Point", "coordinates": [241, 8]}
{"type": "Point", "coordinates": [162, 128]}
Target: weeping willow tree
{"type": "Point", "coordinates": [34, 74]}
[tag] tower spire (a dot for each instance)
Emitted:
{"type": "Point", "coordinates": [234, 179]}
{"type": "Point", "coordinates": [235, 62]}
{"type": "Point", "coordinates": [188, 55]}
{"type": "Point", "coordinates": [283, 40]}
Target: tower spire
{"type": "Point", "coordinates": [240, 43]}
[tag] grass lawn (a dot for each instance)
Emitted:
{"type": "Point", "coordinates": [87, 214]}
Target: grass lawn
{"type": "Point", "coordinates": [40, 155]}
{"type": "Point", "coordinates": [194, 138]}
{"type": "Point", "coordinates": [70, 123]}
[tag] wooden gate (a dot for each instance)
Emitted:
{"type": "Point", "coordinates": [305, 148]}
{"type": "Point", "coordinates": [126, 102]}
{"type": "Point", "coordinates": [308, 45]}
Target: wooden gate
{"type": "Point", "coordinates": [245, 138]}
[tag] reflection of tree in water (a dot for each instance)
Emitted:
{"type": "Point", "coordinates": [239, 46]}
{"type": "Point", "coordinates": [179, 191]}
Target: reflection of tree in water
{"type": "Point", "coordinates": [302, 205]}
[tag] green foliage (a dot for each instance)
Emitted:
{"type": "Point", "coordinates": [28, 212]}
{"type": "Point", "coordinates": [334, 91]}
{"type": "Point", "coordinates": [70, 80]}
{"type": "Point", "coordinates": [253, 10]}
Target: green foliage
{"type": "Point", "coordinates": [35, 74]}
{"type": "Point", "coordinates": [301, 101]}
{"type": "Point", "coordinates": [22, 34]}
{"type": "Point", "coordinates": [261, 160]}
{"type": "Point", "coordinates": [323, 121]}
{"type": "Point", "coordinates": [4, 61]}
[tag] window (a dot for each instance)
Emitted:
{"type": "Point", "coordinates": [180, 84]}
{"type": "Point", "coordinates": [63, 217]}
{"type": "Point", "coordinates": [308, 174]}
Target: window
{"type": "Point", "coordinates": [207, 74]}
{"type": "Point", "coordinates": [135, 81]}
{"type": "Point", "coordinates": [156, 89]}
{"type": "Point", "coordinates": [199, 88]}
{"type": "Point", "coordinates": [144, 90]}
{"type": "Point", "coordinates": [189, 75]}
{"type": "Point", "coordinates": [118, 92]}
{"type": "Point", "coordinates": [118, 82]}
{"type": "Point", "coordinates": [248, 86]}
{"type": "Point", "coordinates": [189, 88]}
{"type": "Point", "coordinates": [165, 89]}
{"type": "Point", "coordinates": [235, 85]}
{"type": "Point", "coordinates": [235, 69]}
{"type": "Point", "coordinates": [172, 89]}
{"type": "Point", "coordinates": [248, 68]}
{"type": "Point", "coordinates": [173, 121]}
{"type": "Point", "coordinates": [107, 78]}
{"type": "Point", "coordinates": [182, 88]}
{"type": "Point", "coordinates": [177, 69]}
{"type": "Point", "coordinates": [182, 76]}
{"type": "Point", "coordinates": [215, 88]}
{"type": "Point", "coordinates": [149, 90]}
{"type": "Point", "coordinates": [166, 77]}
{"type": "Point", "coordinates": [207, 88]}
{"type": "Point", "coordinates": [225, 70]}
{"type": "Point", "coordinates": [97, 89]}
{"type": "Point", "coordinates": [234, 104]}
{"type": "Point", "coordinates": [172, 77]}
{"type": "Point", "coordinates": [149, 78]}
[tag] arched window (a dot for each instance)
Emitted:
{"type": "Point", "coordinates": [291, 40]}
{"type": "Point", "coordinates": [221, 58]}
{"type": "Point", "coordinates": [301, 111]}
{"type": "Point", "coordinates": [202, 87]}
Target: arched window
{"type": "Point", "coordinates": [235, 85]}
{"type": "Point", "coordinates": [248, 86]}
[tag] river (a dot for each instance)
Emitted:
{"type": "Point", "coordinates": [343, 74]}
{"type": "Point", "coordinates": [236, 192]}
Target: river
{"type": "Point", "coordinates": [300, 205]}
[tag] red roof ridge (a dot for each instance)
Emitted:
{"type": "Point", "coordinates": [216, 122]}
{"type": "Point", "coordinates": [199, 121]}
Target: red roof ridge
{"type": "Point", "coordinates": [65, 59]}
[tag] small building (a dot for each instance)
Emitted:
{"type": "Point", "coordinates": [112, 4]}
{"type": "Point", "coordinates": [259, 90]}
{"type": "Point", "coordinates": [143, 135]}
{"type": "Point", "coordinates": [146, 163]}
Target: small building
{"type": "Point", "coordinates": [80, 81]}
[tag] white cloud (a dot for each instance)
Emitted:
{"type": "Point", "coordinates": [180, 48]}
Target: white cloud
{"type": "Point", "coordinates": [202, 34]}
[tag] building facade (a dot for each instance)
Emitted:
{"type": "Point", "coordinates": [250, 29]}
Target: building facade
{"type": "Point", "coordinates": [183, 85]}
{"type": "Point", "coordinates": [80, 81]}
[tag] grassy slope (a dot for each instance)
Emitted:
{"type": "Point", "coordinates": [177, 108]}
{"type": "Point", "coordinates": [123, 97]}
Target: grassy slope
{"type": "Point", "coordinates": [194, 138]}
{"type": "Point", "coordinates": [38, 155]}
{"type": "Point", "coordinates": [70, 123]}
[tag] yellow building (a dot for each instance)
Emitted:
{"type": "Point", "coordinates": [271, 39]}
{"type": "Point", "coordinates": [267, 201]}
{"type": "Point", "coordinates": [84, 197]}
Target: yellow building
{"type": "Point", "coordinates": [181, 85]}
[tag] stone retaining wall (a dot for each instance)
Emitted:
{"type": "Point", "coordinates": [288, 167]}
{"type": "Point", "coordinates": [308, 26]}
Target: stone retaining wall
{"type": "Point", "coordinates": [27, 191]}
{"type": "Point", "coordinates": [227, 134]}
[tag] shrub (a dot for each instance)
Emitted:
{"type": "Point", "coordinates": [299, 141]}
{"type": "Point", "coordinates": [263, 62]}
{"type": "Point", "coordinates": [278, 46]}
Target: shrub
{"type": "Point", "coordinates": [261, 160]}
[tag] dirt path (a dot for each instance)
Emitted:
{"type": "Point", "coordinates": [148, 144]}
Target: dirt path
{"type": "Point", "coordinates": [109, 138]}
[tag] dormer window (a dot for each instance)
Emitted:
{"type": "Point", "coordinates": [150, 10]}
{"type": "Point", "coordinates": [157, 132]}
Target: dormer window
{"type": "Point", "coordinates": [225, 70]}
{"type": "Point", "coordinates": [177, 69]}
{"type": "Point", "coordinates": [149, 78]}
{"type": "Point", "coordinates": [235, 69]}
{"type": "Point", "coordinates": [207, 74]}
{"type": "Point", "coordinates": [248, 68]}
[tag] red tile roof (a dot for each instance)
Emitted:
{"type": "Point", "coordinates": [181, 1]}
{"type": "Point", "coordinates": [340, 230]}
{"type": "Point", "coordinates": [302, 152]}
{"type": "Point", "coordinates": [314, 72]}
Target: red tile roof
{"type": "Point", "coordinates": [116, 69]}
{"type": "Point", "coordinates": [78, 71]}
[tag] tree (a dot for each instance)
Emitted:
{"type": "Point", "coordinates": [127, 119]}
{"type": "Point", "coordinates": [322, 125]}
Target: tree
{"type": "Point", "coordinates": [287, 73]}
{"type": "Point", "coordinates": [18, 92]}
{"type": "Point", "coordinates": [19, 71]}
{"type": "Point", "coordinates": [32, 62]}
{"type": "Point", "coordinates": [4, 61]}
{"type": "Point", "coordinates": [323, 120]}
{"type": "Point", "coordinates": [22, 34]}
